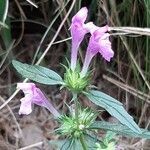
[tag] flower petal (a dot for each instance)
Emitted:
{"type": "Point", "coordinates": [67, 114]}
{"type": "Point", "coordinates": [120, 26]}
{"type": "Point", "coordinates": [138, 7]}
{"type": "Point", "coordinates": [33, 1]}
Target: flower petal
{"type": "Point", "coordinates": [26, 87]}
{"type": "Point", "coordinates": [91, 27]}
{"type": "Point", "coordinates": [99, 42]}
{"type": "Point", "coordinates": [25, 107]}
{"type": "Point", "coordinates": [34, 95]}
{"type": "Point", "coordinates": [80, 16]}
{"type": "Point", "coordinates": [105, 47]}
{"type": "Point", "coordinates": [38, 97]}
{"type": "Point", "coordinates": [77, 32]}
{"type": "Point", "coordinates": [30, 89]}
{"type": "Point", "coordinates": [41, 100]}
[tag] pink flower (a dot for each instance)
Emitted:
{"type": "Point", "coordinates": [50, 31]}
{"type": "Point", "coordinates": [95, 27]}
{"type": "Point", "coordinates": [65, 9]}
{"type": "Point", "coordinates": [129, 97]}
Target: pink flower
{"type": "Point", "coordinates": [78, 31]}
{"type": "Point", "coordinates": [33, 95]}
{"type": "Point", "coordinates": [90, 27]}
{"type": "Point", "coordinates": [99, 42]}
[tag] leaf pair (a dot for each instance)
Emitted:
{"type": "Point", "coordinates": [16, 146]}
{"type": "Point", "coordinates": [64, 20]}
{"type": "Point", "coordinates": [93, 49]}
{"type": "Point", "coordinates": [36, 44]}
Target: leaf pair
{"type": "Point", "coordinates": [115, 108]}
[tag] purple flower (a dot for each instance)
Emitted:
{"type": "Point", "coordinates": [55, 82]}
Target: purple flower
{"type": "Point", "coordinates": [33, 95]}
{"type": "Point", "coordinates": [99, 42]}
{"type": "Point", "coordinates": [90, 27]}
{"type": "Point", "coordinates": [78, 31]}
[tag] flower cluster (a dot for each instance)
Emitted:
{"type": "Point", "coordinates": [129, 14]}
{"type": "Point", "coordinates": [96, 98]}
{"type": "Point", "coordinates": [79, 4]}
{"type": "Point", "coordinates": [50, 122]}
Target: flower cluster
{"type": "Point", "coordinates": [99, 40]}
{"type": "Point", "coordinates": [75, 80]}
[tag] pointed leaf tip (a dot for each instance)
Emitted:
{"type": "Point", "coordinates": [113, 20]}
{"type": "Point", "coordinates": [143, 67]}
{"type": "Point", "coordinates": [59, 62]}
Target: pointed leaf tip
{"type": "Point", "coordinates": [120, 129]}
{"type": "Point", "coordinates": [37, 73]}
{"type": "Point", "coordinates": [114, 107]}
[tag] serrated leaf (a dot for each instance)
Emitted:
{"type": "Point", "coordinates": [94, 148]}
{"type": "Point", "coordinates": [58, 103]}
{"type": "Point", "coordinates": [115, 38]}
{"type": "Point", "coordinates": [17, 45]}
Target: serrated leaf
{"type": "Point", "coordinates": [114, 107]}
{"type": "Point", "coordinates": [37, 73]}
{"type": "Point", "coordinates": [120, 129]}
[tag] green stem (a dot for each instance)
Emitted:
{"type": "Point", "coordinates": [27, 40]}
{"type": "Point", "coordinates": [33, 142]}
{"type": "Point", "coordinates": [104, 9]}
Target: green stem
{"type": "Point", "coordinates": [83, 143]}
{"type": "Point", "coordinates": [76, 112]}
{"type": "Point", "coordinates": [77, 120]}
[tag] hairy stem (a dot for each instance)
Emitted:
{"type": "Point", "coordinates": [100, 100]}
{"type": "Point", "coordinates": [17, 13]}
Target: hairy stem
{"type": "Point", "coordinates": [76, 110]}
{"type": "Point", "coordinates": [77, 120]}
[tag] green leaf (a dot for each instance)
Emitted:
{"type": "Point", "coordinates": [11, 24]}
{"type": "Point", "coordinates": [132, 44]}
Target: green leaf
{"type": "Point", "coordinates": [74, 144]}
{"type": "Point", "coordinates": [120, 129]}
{"type": "Point", "coordinates": [109, 137]}
{"type": "Point", "coordinates": [70, 144]}
{"type": "Point", "coordinates": [3, 11]}
{"type": "Point", "coordinates": [114, 107]}
{"type": "Point", "coordinates": [55, 144]}
{"type": "Point", "coordinates": [37, 73]}
{"type": "Point", "coordinates": [91, 140]}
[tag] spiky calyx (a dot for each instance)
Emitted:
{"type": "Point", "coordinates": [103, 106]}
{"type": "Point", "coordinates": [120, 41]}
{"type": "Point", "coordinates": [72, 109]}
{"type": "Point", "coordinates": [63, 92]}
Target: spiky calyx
{"type": "Point", "coordinates": [74, 82]}
{"type": "Point", "coordinates": [72, 128]}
